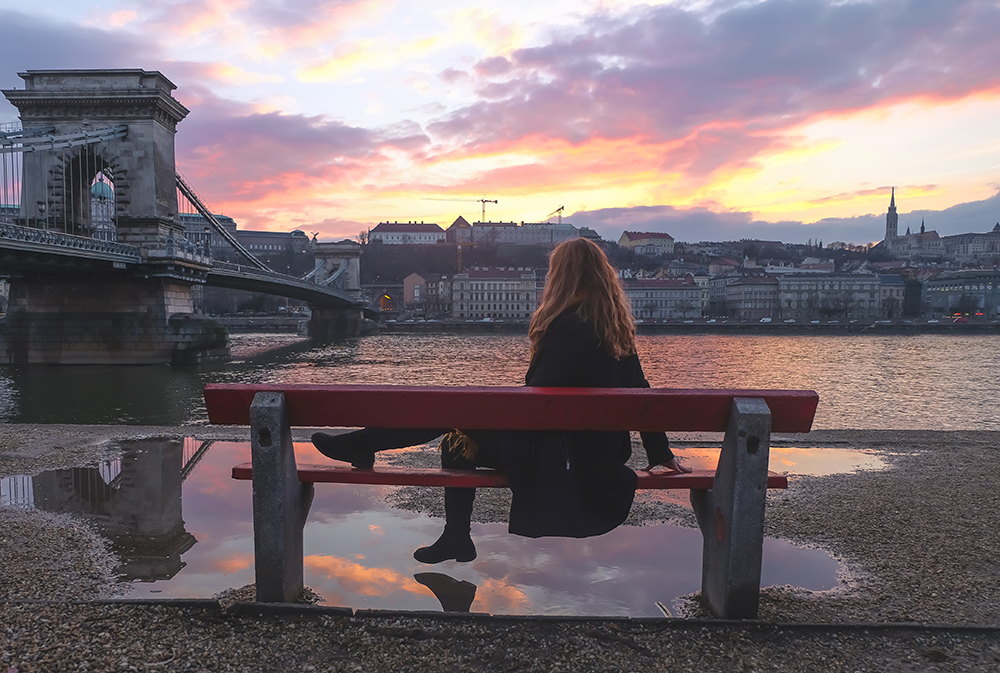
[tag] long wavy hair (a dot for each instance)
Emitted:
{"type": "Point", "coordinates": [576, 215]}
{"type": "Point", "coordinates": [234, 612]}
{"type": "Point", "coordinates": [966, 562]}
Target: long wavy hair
{"type": "Point", "coordinates": [580, 275]}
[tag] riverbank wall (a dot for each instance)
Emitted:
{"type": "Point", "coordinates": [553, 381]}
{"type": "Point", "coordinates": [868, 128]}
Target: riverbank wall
{"type": "Point", "coordinates": [297, 325]}
{"type": "Point", "coordinates": [770, 329]}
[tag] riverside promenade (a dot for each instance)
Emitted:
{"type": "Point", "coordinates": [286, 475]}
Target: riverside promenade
{"type": "Point", "coordinates": [919, 592]}
{"type": "Point", "coordinates": [703, 326]}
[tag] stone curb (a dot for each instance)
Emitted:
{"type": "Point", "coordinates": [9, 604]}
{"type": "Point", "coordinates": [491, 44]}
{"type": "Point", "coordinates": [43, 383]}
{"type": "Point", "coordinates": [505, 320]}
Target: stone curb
{"type": "Point", "coordinates": [297, 609]}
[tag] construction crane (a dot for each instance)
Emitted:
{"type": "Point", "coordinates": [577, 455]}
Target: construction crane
{"type": "Point", "coordinates": [482, 201]}
{"type": "Point", "coordinates": [557, 210]}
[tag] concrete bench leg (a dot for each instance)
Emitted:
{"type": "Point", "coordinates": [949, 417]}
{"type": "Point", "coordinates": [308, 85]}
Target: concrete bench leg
{"type": "Point", "coordinates": [731, 514]}
{"type": "Point", "coordinates": [280, 502]}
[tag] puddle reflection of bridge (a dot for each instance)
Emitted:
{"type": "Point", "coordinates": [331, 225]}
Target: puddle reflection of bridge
{"type": "Point", "coordinates": [134, 501]}
{"type": "Point", "coordinates": [100, 266]}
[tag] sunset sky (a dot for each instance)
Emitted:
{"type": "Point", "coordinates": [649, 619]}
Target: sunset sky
{"type": "Point", "coordinates": [710, 120]}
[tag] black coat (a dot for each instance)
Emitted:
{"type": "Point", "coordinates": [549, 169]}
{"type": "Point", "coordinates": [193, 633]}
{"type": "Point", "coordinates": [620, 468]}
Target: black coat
{"type": "Point", "coordinates": [575, 484]}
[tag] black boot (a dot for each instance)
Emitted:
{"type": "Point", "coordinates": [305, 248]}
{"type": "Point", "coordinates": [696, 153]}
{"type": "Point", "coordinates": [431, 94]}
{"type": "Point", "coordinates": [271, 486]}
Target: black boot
{"type": "Point", "coordinates": [359, 447]}
{"type": "Point", "coordinates": [454, 595]}
{"type": "Point", "coordinates": [455, 542]}
{"type": "Point", "coordinates": [346, 448]}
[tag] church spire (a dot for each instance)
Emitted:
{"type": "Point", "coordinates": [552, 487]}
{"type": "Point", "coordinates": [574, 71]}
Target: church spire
{"type": "Point", "coordinates": [891, 220]}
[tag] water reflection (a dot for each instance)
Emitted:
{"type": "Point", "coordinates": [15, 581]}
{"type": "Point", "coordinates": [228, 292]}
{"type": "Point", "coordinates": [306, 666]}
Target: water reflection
{"type": "Point", "coordinates": [358, 549]}
{"type": "Point", "coordinates": [358, 554]}
{"type": "Point", "coordinates": [135, 502]}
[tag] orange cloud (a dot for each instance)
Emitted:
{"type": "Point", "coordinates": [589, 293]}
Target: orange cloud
{"type": "Point", "coordinates": [361, 580]}
{"type": "Point", "coordinates": [497, 596]}
{"type": "Point", "coordinates": [232, 563]}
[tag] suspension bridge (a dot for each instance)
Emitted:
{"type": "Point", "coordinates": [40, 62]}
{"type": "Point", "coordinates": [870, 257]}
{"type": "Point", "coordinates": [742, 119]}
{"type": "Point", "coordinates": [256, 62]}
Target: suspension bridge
{"type": "Point", "coordinates": [100, 265]}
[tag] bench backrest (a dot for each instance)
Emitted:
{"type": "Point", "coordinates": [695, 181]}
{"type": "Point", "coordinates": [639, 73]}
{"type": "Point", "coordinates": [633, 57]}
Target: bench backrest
{"type": "Point", "coordinates": [501, 408]}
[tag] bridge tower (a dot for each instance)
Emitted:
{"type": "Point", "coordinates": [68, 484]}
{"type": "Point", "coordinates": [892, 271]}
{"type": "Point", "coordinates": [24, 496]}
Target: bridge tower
{"type": "Point", "coordinates": [337, 265]}
{"type": "Point", "coordinates": [144, 314]}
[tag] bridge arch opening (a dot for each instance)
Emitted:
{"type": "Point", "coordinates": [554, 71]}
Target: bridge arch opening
{"type": "Point", "coordinates": [103, 210]}
{"type": "Point", "coordinates": [82, 194]}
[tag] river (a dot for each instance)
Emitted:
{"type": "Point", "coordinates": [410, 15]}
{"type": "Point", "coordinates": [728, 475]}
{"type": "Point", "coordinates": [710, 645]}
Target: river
{"type": "Point", "coordinates": [926, 382]}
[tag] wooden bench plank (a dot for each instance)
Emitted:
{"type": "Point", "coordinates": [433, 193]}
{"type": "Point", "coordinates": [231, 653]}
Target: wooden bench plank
{"type": "Point", "coordinates": [409, 476]}
{"type": "Point", "coordinates": [510, 408]}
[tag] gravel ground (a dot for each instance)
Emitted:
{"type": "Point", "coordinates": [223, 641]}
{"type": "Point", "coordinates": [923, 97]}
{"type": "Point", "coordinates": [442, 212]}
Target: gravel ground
{"type": "Point", "coordinates": [919, 592]}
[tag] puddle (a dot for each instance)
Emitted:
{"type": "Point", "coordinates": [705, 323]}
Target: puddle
{"type": "Point", "coordinates": [358, 549]}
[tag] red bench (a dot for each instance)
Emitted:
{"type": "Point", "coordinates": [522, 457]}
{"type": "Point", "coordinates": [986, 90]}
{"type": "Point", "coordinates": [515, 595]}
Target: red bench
{"type": "Point", "coordinates": [729, 502]}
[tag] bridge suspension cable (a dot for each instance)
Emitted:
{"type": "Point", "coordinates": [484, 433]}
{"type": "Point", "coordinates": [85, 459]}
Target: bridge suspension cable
{"type": "Point", "coordinates": [203, 210]}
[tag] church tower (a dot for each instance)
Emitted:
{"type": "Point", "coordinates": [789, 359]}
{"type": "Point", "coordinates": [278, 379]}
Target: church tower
{"type": "Point", "coordinates": [891, 220]}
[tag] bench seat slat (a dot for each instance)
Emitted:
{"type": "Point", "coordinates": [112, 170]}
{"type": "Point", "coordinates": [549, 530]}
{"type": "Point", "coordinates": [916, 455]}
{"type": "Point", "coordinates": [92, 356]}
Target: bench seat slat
{"type": "Point", "coordinates": [409, 476]}
{"type": "Point", "coordinates": [509, 408]}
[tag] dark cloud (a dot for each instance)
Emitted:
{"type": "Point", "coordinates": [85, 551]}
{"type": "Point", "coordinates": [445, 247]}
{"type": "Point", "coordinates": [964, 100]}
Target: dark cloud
{"type": "Point", "coordinates": [30, 43]}
{"type": "Point", "coordinates": [662, 72]}
{"type": "Point", "coordinates": [694, 224]}
{"type": "Point", "coordinates": [453, 76]}
{"type": "Point", "coordinates": [959, 219]}
{"type": "Point", "coordinates": [493, 67]}
{"type": "Point", "coordinates": [703, 224]}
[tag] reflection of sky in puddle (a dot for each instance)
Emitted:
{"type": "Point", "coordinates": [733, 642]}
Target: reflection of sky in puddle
{"type": "Point", "coordinates": [358, 549]}
{"type": "Point", "coordinates": [815, 462]}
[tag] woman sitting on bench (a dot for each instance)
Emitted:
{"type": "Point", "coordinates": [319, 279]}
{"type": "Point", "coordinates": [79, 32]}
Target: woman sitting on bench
{"type": "Point", "coordinates": [571, 484]}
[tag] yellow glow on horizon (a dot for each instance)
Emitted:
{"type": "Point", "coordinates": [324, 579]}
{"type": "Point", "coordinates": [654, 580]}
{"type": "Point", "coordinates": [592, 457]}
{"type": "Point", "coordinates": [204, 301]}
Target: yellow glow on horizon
{"type": "Point", "coordinates": [933, 152]}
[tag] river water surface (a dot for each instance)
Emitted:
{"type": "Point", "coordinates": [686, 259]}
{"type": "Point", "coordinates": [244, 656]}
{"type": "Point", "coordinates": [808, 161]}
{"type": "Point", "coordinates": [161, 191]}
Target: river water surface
{"type": "Point", "coordinates": [926, 382]}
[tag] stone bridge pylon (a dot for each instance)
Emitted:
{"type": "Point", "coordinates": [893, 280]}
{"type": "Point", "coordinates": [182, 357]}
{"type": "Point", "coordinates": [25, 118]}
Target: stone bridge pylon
{"type": "Point", "coordinates": [144, 312]}
{"type": "Point", "coordinates": [337, 264]}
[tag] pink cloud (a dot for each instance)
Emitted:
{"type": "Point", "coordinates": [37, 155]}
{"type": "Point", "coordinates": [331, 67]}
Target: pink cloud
{"type": "Point", "coordinates": [663, 72]}
{"type": "Point", "coordinates": [235, 153]}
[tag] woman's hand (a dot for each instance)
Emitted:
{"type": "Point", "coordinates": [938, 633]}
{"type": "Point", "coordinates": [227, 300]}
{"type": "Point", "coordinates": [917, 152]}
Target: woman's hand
{"type": "Point", "coordinates": [672, 466]}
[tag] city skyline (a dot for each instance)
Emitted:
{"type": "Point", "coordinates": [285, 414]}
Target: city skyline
{"type": "Point", "coordinates": [707, 120]}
